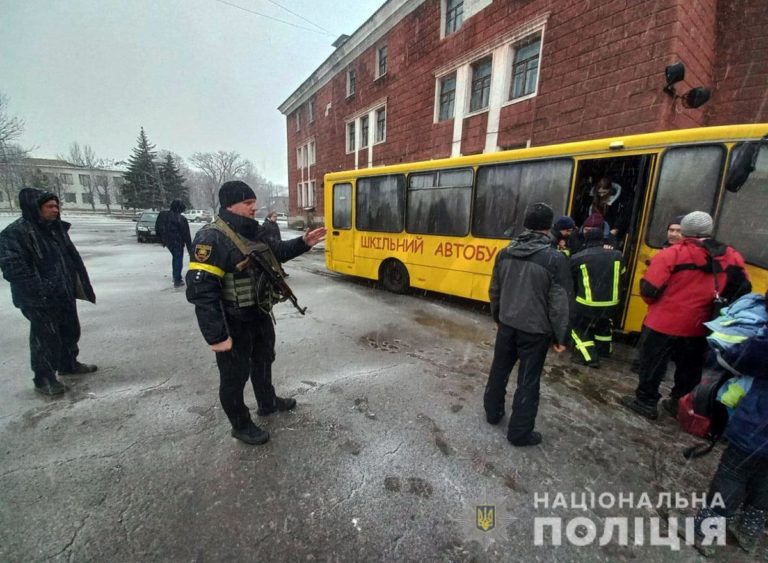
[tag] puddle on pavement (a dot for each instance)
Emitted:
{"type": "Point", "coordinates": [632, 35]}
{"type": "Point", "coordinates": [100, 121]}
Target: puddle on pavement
{"type": "Point", "coordinates": [458, 331]}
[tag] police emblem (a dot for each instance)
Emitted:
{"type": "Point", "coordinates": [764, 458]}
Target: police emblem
{"type": "Point", "coordinates": [202, 252]}
{"type": "Point", "coordinates": [485, 517]}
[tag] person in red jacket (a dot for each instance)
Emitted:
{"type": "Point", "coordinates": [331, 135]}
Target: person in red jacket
{"type": "Point", "coordinates": [680, 287]}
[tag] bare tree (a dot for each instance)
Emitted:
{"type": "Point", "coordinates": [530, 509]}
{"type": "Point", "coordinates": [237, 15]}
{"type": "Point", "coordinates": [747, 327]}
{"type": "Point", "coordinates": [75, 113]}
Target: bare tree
{"type": "Point", "coordinates": [11, 154]}
{"type": "Point", "coordinates": [218, 167]}
{"type": "Point", "coordinates": [86, 158]}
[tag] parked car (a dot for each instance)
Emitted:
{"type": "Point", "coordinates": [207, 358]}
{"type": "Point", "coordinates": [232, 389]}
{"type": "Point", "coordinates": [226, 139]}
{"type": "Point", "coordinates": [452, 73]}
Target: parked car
{"type": "Point", "coordinates": [145, 227]}
{"type": "Point", "coordinates": [282, 217]}
{"type": "Point", "coordinates": [198, 215]}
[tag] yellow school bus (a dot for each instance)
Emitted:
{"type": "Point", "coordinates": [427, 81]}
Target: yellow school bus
{"type": "Point", "coordinates": [438, 225]}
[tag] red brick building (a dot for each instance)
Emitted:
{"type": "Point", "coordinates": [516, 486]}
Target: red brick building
{"type": "Point", "coordinates": [426, 79]}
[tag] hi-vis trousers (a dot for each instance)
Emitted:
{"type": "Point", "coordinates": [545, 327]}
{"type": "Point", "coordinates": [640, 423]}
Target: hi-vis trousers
{"type": "Point", "coordinates": [592, 338]}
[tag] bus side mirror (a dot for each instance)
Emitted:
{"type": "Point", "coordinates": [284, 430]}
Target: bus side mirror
{"type": "Point", "coordinates": [743, 164]}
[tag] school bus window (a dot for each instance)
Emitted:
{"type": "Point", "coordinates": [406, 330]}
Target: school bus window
{"type": "Point", "coordinates": [381, 203]}
{"type": "Point", "coordinates": [342, 206]}
{"type": "Point", "coordinates": [742, 221]}
{"type": "Point", "coordinates": [438, 202]}
{"type": "Point", "coordinates": [504, 191]}
{"type": "Point", "coordinates": [688, 174]}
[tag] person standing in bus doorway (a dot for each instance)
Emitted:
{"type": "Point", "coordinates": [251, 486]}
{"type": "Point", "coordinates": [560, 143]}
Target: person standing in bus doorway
{"type": "Point", "coordinates": [596, 271]}
{"type": "Point", "coordinates": [233, 305]}
{"type": "Point", "coordinates": [680, 286]}
{"type": "Point", "coordinates": [530, 297]}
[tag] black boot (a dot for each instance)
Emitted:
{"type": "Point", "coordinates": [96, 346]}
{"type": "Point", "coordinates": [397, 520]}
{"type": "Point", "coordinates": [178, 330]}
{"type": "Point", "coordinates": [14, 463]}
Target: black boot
{"type": "Point", "coordinates": [51, 387]}
{"type": "Point", "coordinates": [750, 528]}
{"type": "Point", "coordinates": [251, 434]}
{"type": "Point", "coordinates": [643, 409]}
{"type": "Point", "coordinates": [532, 439]}
{"type": "Point", "coordinates": [80, 369]}
{"type": "Point", "coordinates": [276, 404]}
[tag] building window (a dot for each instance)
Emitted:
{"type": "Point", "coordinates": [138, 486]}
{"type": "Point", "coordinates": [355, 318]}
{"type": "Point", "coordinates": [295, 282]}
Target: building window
{"type": "Point", "coordinates": [311, 156]}
{"type": "Point", "coordinates": [299, 195]}
{"type": "Point", "coordinates": [103, 199]}
{"type": "Point", "coordinates": [351, 136]}
{"type": "Point", "coordinates": [85, 180]}
{"type": "Point", "coordinates": [311, 194]}
{"type": "Point", "coordinates": [311, 110]}
{"type": "Point", "coordinates": [70, 197]}
{"type": "Point", "coordinates": [364, 131]}
{"type": "Point", "coordinates": [381, 125]}
{"type": "Point", "coordinates": [381, 61]}
{"type": "Point", "coordinates": [101, 180]}
{"type": "Point", "coordinates": [525, 68]}
{"type": "Point", "coordinates": [87, 198]}
{"type": "Point", "coordinates": [447, 97]}
{"type": "Point", "coordinates": [67, 179]}
{"type": "Point", "coordinates": [1, 197]}
{"type": "Point", "coordinates": [454, 15]}
{"type": "Point", "coordinates": [481, 84]}
{"type": "Point", "coordinates": [299, 158]}
{"type": "Point", "coordinates": [298, 119]}
{"type": "Point", "coordinates": [351, 81]}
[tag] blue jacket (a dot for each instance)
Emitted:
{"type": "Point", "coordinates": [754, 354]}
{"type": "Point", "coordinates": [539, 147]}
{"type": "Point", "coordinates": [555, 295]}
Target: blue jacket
{"type": "Point", "coordinates": [743, 319]}
{"type": "Point", "coordinates": [748, 426]}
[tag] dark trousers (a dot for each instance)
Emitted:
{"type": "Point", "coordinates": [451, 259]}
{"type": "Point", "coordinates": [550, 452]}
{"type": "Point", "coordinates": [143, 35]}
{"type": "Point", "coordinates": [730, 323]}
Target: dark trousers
{"type": "Point", "coordinates": [53, 336]}
{"type": "Point", "coordinates": [592, 337]}
{"type": "Point", "coordinates": [687, 352]}
{"type": "Point", "coordinates": [177, 260]}
{"type": "Point", "coordinates": [251, 356]}
{"type": "Point", "coordinates": [531, 350]}
{"type": "Point", "coordinates": [740, 479]}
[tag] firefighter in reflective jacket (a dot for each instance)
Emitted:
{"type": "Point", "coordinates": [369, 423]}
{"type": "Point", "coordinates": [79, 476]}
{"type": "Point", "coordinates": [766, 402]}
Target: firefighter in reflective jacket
{"type": "Point", "coordinates": [233, 302]}
{"type": "Point", "coordinates": [596, 271]}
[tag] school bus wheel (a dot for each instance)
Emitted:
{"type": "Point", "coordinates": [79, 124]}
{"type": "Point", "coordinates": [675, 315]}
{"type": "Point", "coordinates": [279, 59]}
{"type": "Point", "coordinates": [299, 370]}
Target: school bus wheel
{"type": "Point", "coordinates": [394, 276]}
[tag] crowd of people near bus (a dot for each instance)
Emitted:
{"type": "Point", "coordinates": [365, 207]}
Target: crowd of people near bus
{"type": "Point", "coordinates": [559, 284]}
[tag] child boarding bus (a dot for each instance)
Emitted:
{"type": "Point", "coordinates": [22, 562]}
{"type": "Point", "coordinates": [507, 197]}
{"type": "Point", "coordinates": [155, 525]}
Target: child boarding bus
{"type": "Point", "coordinates": [439, 224]}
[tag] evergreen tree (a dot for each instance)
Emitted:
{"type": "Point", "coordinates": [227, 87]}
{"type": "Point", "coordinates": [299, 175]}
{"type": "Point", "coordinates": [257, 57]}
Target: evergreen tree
{"type": "Point", "coordinates": [173, 182]}
{"type": "Point", "coordinates": [142, 187]}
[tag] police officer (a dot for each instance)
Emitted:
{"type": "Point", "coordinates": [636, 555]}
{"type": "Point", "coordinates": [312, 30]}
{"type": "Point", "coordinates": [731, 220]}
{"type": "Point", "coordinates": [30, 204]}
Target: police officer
{"type": "Point", "coordinates": [596, 272]}
{"type": "Point", "coordinates": [233, 302]}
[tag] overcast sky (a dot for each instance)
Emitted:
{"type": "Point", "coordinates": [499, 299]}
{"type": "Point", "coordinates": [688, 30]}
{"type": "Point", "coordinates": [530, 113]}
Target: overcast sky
{"type": "Point", "coordinates": [198, 75]}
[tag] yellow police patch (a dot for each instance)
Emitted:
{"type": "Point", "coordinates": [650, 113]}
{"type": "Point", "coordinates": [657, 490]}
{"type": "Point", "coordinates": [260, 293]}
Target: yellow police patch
{"type": "Point", "coordinates": [202, 252]}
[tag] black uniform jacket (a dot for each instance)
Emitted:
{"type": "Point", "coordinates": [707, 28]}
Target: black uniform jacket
{"type": "Point", "coordinates": [213, 255]}
{"type": "Point", "coordinates": [39, 260]}
{"type": "Point", "coordinates": [596, 274]}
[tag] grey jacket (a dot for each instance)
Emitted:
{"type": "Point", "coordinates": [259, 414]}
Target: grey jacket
{"type": "Point", "coordinates": [531, 287]}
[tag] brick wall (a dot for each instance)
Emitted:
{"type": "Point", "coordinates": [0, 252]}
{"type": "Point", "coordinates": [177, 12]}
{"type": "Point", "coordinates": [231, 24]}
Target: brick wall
{"type": "Point", "coordinates": [601, 75]}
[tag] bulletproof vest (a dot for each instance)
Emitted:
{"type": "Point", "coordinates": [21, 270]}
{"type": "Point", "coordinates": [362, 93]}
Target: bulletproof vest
{"type": "Point", "coordinates": [251, 286]}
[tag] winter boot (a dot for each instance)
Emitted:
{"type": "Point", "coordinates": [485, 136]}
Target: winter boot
{"type": "Point", "coordinates": [80, 369]}
{"type": "Point", "coordinates": [277, 404]}
{"type": "Point", "coordinates": [51, 387]}
{"type": "Point", "coordinates": [532, 439]}
{"type": "Point", "coordinates": [251, 434]}
{"type": "Point", "coordinates": [698, 538]}
{"type": "Point", "coordinates": [750, 528]}
{"type": "Point", "coordinates": [643, 409]}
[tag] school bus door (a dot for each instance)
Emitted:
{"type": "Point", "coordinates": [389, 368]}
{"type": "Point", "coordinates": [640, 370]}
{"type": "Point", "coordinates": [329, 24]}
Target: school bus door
{"type": "Point", "coordinates": [633, 174]}
{"type": "Point", "coordinates": [341, 242]}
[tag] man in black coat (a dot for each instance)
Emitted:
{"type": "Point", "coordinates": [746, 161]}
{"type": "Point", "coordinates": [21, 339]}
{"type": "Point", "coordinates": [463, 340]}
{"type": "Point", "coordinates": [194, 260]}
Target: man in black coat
{"type": "Point", "coordinates": [46, 275]}
{"type": "Point", "coordinates": [233, 303]}
{"type": "Point", "coordinates": [530, 299]}
{"type": "Point", "coordinates": [173, 230]}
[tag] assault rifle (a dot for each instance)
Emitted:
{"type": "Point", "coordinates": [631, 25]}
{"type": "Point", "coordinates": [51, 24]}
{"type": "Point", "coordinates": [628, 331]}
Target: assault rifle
{"type": "Point", "coordinates": [274, 276]}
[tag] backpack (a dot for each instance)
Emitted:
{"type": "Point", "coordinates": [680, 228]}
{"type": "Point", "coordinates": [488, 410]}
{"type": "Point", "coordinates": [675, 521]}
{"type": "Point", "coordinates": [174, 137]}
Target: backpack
{"type": "Point", "coordinates": [701, 414]}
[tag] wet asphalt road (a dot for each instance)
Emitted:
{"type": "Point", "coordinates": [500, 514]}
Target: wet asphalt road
{"type": "Point", "coordinates": [385, 458]}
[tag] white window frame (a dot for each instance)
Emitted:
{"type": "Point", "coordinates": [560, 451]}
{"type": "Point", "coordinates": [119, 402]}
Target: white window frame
{"type": "Point", "coordinates": [311, 110]}
{"type": "Point", "coordinates": [351, 83]}
{"type": "Point", "coordinates": [444, 18]}
{"type": "Point", "coordinates": [298, 119]}
{"type": "Point", "coordinates": [438, 93]}
{"type": "Point", "coordinates": [510, 71]}
{"type": "Point", "coordinates": [468, 110]}
{"type": "Point", "coordinates": [351, 147]}
{"type": "Point", "coordinates": [364, 131]}
{"type": "Point", "coordinates": [376, 140]}
{"type": "Point", "coordinates": [379, 74]}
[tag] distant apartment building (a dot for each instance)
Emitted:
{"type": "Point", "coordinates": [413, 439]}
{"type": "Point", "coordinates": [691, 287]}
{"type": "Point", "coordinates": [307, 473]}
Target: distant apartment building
{"type": "Point", "coordinates": [424, 79]}
{"type": "Point", "coordinates": [77, 188]}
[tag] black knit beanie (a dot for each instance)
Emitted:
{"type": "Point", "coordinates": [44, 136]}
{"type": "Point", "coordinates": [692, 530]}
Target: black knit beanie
{"type": "Point", "coordinates": [538, 217]}
{"type": "Point", "coordinates": [234, 192]}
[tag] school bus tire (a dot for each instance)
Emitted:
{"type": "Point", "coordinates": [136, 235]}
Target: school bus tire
{"type": "Point", "coordinates": [394, 276]}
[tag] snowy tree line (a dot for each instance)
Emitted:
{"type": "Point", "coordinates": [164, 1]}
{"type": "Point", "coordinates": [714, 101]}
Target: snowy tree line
{"type": "Point", "coordinates": [152, 179]}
